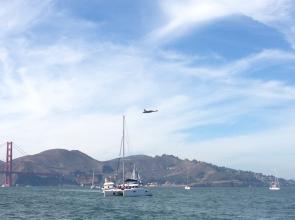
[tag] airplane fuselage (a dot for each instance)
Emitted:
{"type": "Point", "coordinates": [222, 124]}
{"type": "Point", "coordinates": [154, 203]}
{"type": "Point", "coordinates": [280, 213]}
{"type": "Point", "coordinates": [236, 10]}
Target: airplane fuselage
{"type": "Point", "coordinates": [149, 111]}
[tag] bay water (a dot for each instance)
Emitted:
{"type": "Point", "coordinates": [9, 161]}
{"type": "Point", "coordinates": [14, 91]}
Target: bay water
{"type": "Point", "coordinates": [166, 203]}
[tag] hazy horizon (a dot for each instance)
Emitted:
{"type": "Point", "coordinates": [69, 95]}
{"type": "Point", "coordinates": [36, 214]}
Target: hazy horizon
{"type": "Point", "coordinates": [221, 74]}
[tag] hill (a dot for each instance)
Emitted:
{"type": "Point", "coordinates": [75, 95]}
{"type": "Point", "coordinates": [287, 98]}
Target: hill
{"type": "Point", "coordinates": [59, 166]}
{"type": "Point", "coordinates": [171, 170]}
{"type": "Point", "coordinates": [53, 167]}
{"type": "Point", "coordinates": [56, 161]}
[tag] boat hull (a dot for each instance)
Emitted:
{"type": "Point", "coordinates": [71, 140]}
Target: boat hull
{"type": "Point", "coordinates": [134, 192]}
{"type": "Point", "coordinates": [274, 188]}
{"type": "Point", "coordinates": [113, 192]}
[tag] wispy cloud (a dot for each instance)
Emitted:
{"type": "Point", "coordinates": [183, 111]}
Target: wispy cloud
{"type": "Point", "coordinates": [265, 149]}
{"type": "Point", "coordinates": [71, 92]}
{"type": "Point", "coordinates": [182, 16]}
{"type": "Point", "coordinates": [17, 16]}
{"type": "Point", "coordinates": [88, 86]}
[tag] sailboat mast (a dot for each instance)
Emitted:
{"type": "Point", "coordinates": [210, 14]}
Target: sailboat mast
{"type": "Point", "coordinates": [187, 179]}
{"type": "Point", "coordinates": [92, 178]}
{"type": "Point", "coordinates": [123, 150]}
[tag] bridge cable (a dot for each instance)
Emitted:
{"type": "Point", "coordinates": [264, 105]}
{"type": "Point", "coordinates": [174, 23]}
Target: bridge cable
{"type": "Point", "coordinates": [20, 150]}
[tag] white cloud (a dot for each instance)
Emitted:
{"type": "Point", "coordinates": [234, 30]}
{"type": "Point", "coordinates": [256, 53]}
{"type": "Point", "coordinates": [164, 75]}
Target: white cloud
{"type": "Point", "coordinates": [75, 110]}
{"type": "Point", "coordinates": [80, 105]}
{"type": "Point", "coordinates": [71, 93]}
{"type": "Point", "coordinates": [270, 151]}
{"type": "Point", "coordinates": [263, 58]}
{"type": "Point", "coordinates": [17, 16]}
{"type": "Point", "coordinates": [181, 16]}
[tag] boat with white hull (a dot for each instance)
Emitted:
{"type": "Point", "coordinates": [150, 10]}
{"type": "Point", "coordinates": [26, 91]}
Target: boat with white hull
{"type": "Point", "coordinates": [110, 189]}
{"type": "Point", "coordinates": [92, 182]}
{"type": "Point", "coordinates": [133, 192]}
{"type": "Point", "coordinates": [275, 185]}
{"type": "Point", "coordinates": [187, 187]}
{"type": "Point", "coordinates": [131, 187]}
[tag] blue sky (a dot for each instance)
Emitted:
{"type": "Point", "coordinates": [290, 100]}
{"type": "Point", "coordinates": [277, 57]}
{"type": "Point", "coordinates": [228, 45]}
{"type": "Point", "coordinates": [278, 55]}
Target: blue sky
{"type": "Point", "coordinates": [221, 74]}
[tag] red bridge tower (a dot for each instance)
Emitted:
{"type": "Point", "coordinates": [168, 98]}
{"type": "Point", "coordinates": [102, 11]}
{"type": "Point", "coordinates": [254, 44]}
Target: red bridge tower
{"type": "Point", "coordinates": [8, 165]}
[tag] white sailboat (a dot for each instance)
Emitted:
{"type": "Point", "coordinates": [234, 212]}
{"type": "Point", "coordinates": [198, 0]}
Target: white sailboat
{"type": "Point", "coordinates": [130, 187]}
{"type": "Point", "coordinates": [133, 186]}
{"type": "Point", "coordinates": [92, 181]}
{"type": "Point", "coordinates": [187, 186]}
{"type": "Point", "coordinates": [275, 185]}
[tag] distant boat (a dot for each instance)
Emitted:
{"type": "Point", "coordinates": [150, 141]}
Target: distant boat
{"type": "Point", "coordinates": [152, 185]}
{"type": "Point", "coordinates": [275, 185]}
{"type": "Point", "coordinates": [130, 187]}
{"type": "Point", "coordinates": [187, 186]}
{"type": "Point", "coordinates": [92, 182]}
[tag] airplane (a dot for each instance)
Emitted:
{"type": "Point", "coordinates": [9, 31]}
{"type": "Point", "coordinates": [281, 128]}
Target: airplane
{"type": "Point", "coordinates": [149, 111]}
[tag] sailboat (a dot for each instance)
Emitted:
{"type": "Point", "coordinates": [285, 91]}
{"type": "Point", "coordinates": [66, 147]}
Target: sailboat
{"type": "Point", "coordinates": [131, 187]}
{"type": "Point", "coordinates": [187, 186]}
{"type": "Point", "coordinates": [92, 182]}
{"type": "Point", "coordinates": [275, 185]}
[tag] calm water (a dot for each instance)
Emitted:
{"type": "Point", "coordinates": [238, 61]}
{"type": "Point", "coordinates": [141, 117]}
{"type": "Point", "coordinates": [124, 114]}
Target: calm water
{"type": "Point", "coordinates": [166, 203]}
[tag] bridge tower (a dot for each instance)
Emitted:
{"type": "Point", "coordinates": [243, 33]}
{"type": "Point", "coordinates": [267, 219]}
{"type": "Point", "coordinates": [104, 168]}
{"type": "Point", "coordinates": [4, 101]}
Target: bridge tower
{"type": "Point", "coordinates": [8, 165]}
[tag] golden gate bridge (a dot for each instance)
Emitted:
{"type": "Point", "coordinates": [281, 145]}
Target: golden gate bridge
{"type": "Point", "coordinates": [8, 166]}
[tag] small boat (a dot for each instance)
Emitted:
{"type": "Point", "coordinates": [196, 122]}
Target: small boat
{"type": "Point", "coordinates": [152, 185]}
{"type": "Point", "coordinates": [130, 187]}
{"type": "Point", "coordinates": [92, 182]}
{"type": "Point", "coordinates": [275, 185]}
{"type": "Point", "coordinates": [187, 187]}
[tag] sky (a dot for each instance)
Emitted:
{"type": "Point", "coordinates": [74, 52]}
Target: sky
{"type": "Point", "coordinates": [221, 74]}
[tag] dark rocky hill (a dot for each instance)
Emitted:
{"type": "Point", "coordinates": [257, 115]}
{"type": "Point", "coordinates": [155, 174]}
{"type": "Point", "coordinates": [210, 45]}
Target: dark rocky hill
{"type": "Point", "coordinates": [171, 170]}
{"type": "Point", "coordinates": [53, 167]}
{"type": "Point", "coordinates": [56, 161]}
{"type": "Point", "coordinates": [58, 166]}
